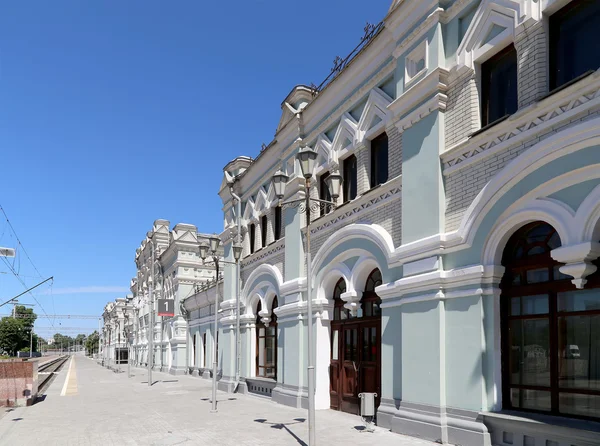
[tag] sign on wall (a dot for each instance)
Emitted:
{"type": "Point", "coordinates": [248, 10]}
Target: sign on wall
{"type": "Point", "coordinates": [166, 307]}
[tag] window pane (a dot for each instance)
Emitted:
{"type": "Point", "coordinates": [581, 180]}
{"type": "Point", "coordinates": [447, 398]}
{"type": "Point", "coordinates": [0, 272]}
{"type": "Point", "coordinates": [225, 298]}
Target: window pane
{"type": "Point", "coordinates": [515, 306]}
{"type": "Point", "coordinates": [534, 304]}
{"type": "Point", "coordinates": [579, 352]}
{"type": "Point", "coordinates": [376, 309]}
{"type": "Point", "coordinates": [335, 346]}
{"type": "Point", "coordinates": [350, 178]}
{"type": "Point", "coordinates": [529, 347]}
{"type": "Point", "coordinates": [348, 346]}
{"type": "Point", "coordinates": [538, 275]}
{"type": "Point", "coordinates": [577, 404]}
{"type": "Point", "coordinates": [374, 351]}
{"type": "Point", "coordinates": [366, 349]}
{"type": "Point", "coordinates": [571, 31]}
{"type": "Point", "coordinates": [530, 399]}
{"type": "Point", "coordinates": [579, 300]}
{"type": "Point", "coordinates": [261, 352]}
{"type": "Point", "coordinates": [270, 344]}
{"type": "Point", "coordinates": [499, 78]}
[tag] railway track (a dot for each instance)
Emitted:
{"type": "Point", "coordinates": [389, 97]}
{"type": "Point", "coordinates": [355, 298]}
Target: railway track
{"type": "Point", "coordinates": [47, 372]}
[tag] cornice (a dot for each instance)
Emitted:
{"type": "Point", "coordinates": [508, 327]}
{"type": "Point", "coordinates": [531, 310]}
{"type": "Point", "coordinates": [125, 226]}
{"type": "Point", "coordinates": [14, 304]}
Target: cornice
{"type": "Point", "coordinates": [434, 82]}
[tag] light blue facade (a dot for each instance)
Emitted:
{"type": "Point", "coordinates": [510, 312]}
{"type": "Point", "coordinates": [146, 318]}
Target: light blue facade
{"type": "Point", "coordinates": [436, 229]}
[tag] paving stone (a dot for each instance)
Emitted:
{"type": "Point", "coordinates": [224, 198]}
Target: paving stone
{"type": "Point", "coordinates": [112, 409]}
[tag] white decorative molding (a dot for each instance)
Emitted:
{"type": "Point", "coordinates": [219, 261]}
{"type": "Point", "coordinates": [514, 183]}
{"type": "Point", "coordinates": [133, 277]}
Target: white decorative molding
{"type": "Point", "coordinates": [478, 44]}
{"type": "Point", "coordinates": [263, 268]}
{"type": "Point", "coordinates": [577, 260]}
{"type": "Point", "coordinates": [376, 107]}
{"type": "Point", "coordinates": [435, 285]}
{"type": "Point", "coordinates": [346, 131]}
{"type": "Point", "coordinates": [372, 232]}
{"type": "Point", "coordinates": [416, 63]}
{"type": "Point", "coordinates": [419, 32]}
{"type": "Point", "coordinates": [563, 105]}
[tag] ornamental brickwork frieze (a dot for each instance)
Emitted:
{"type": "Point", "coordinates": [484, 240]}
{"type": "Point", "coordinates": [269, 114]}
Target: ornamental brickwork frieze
{"type": "Point", "coordinates": [528, 126]}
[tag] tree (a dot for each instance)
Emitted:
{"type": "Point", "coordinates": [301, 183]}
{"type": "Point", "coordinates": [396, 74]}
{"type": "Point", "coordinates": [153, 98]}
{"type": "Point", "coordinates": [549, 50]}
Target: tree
{"type": "Point", "coordinates": [15, 332]}
{"type": "Point", "coordinates": [12, 336]}
{"type": "Point", "coordinates": [92, 343]}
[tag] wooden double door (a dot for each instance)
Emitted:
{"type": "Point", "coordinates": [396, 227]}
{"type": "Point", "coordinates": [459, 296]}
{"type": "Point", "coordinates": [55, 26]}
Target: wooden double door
{"type": "Point", "coordinates": [355, 362]}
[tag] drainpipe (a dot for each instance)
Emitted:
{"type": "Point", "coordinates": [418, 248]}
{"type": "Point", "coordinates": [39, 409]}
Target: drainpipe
{"type": "Point", "coordinates": [238, 338]}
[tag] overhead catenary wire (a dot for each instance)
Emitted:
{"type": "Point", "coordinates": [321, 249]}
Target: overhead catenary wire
{"type": "Point", "coordinates": [25, 286]}
{"type": "Point", "coordinates": [19, 242]}
{"type": "Point", "coordinates": [12, 269]}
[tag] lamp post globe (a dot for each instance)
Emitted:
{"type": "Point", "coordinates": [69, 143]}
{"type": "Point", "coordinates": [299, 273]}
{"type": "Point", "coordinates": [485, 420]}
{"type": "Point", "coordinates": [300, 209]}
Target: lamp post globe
{"type": "Point", "coordinates": [280, 179]}
{"type": "Point", "coordinates": [203, 251]}
{"type": "Point", "coordinates": [334, 183]}
{"type": "Point", "coordinates": [214, 243]}
{"type": "Point", "coordinates": [237, 252]}
{"type": "Point", "coordinates": [307, 158]}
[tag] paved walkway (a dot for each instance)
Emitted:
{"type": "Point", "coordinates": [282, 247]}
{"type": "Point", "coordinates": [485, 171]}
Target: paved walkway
{"type": "Point", "coordinates": [90, 405]}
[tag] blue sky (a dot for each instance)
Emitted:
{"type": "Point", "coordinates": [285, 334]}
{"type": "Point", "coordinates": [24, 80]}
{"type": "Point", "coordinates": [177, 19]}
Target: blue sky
{"type": "Point", "coordinates": [115, 113]}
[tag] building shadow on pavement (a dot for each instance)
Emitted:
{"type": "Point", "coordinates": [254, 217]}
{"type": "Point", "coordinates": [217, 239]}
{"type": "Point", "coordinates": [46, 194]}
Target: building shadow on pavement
{"type": "Point", "coordinates": [285, 427]}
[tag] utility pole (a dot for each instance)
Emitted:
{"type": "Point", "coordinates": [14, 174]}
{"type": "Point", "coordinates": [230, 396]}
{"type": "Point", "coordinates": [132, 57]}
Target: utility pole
{"type": "Point", "coordinates": [31, 343]}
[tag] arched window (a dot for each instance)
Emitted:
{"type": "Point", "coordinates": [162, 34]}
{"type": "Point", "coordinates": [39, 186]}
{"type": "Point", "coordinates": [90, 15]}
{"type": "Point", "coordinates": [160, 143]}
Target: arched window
{"type": "Point", "coordinates": [550, 330]}
{"type": "Point", "coordinates": [371, 303]}
{"type": "Point", "coordinates": [266, 344]}
{"type": "Point", "coordinates": [339, 312]}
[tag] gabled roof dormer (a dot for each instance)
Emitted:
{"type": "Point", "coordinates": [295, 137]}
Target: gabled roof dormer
{"type": "Point", "coordinates": [294, 103]}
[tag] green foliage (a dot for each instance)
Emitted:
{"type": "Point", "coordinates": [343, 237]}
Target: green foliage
{"type": "Point", "coordinates": [92, 343]}
{"type": "Point", "coordinates": [15, 332]}
{"type": "Point", "coordinates": [12, 336]}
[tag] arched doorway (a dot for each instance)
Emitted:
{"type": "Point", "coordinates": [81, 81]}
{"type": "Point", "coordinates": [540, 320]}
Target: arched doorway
{"type": "Point", "coordinates": [355, 348]}
{"type": "Point", "coordinates": [550, 330]}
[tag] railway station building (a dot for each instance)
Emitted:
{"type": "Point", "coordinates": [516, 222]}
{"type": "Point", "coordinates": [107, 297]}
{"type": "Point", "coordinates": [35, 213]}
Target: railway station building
{"type": "Point", "coordinates": [457, 276]}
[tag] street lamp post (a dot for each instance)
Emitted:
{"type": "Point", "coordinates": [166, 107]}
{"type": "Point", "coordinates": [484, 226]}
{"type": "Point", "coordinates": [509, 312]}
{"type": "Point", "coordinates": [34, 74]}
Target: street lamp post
{"type": "Point", "coordinates": [127, 331]}
{"type": "Point", "coordinates": [237, 251]}
{"type": "Point", "coordinates": [151, 318]}
{"type": "Point", "coordinates": [307, 158]}
{"type": "Point", "coordinates": [118, 333]}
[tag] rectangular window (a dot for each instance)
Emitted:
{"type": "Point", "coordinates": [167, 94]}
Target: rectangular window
{"type": "Point", "coordinates": [574, 47]}
{"type": "Point", "coordinates": [324, 193]}
{"type": "Point", "coordinates": [277, 222]}
{"type": "Point", "coordinates": [252, 231]}
{"type": "Point", "coordinates": [379, 160]}
{"type": "Point", "coordinates": [499, 86]}
{"type": "Point", "coordinates": [350, 178]}
{"type": "Point", "coordinates": [264, 221]}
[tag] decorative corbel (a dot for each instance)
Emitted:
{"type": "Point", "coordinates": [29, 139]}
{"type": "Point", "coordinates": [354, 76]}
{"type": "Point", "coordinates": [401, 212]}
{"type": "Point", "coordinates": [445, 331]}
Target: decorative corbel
{"type": "Point", "coordinates": [577, 261]}
{"type": "Point", "coordinates": [352, 300]}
